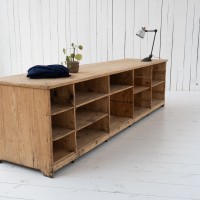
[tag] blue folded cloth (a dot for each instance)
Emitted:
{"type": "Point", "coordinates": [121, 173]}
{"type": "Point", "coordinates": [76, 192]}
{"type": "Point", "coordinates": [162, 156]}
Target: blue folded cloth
{"type": "Point", "coordinates": [48, 71]}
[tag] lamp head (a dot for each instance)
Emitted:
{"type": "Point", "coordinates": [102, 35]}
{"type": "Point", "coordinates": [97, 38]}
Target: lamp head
{"type": "Point", "coordinates": [141, 33]}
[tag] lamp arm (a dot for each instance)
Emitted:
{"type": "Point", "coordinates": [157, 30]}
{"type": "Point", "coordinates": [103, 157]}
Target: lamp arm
{"type": "Point", "coordinates": [153, 42]}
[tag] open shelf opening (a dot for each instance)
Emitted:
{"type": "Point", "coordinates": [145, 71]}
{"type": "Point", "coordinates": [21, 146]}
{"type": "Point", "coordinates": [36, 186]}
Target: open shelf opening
{"type": "Point", "coordinates": [91, 90]}
{"type": "Point", "coordinates": [121, 107]}
{"type": "Point", "coordinates": [158, 74]}
{"type": "Point", "coordinates": [121, 81]}
{"type": "Point", "coordinates": [62, 99]}
{"type": "Point", "coordinates": [142, 79]}
{"type": "Point", "coordinates": [92, 112]}
{"type": "Point", "coordinates": [62, 124]}
{"type": "Point", "coordinates": [93, 135]}
{"type": "Point", "coordinates": [64, 148]}
{"type": "Point", "coordinates": [142, 102]}
{"type": "Point", "coordinates": [158, 94]}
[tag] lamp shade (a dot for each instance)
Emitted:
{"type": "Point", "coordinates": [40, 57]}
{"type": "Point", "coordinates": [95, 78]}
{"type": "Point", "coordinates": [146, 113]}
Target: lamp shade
{"type": "Point", "coordinates": [141, 33]}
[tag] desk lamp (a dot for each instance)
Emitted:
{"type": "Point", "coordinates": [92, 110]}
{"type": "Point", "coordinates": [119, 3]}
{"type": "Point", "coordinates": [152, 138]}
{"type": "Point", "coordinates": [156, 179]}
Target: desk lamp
{"type": "Point", "coordinates": [141, 34]}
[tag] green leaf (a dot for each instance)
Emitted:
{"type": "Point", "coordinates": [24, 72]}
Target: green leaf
{"type": "Point", "coordinates": [64, 51]}
{"type": "Point", "coordinates": [72, 44]}
{"type": "Point", "coordinates": [72, 55]}
{"type": "Point", "coordinates": [78, 57]}
{"type": "Point", "coordinates": [80, 47]}
{"type": "Point", "coordinates": [68, 58]}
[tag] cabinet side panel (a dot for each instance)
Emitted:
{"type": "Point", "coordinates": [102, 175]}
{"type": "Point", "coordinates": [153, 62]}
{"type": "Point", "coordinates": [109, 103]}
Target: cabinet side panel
{"type": "Point", "coordinates": [2, 133]}
{"type": "Point", "coordinates": [26, 114]}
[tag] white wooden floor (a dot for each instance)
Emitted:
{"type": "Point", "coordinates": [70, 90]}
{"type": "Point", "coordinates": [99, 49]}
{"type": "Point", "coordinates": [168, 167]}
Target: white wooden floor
{"type": "Point", "coordinates": [158, 158]}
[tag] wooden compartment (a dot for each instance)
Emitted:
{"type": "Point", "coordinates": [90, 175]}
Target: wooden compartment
{"type": "Point", "coordinates": [91, 90]}
{"type": "Point", "coordinates": [121, 108]}
{"type": "Point", "coordinates": [158, 94]}
{"type": "Point", "coordinates": [142, 79]}
{"type": "Point", "coordinates": [64, 148]}
{"type": "Point", "coordinates": [62, 99]}
{"type": "Point", "coordinates": [142, 102]}
{"type": "Point", "coordinates": [158, 74]}
{"type": "Point", "coordinates": [93, 135]}
{"type": "Point", "coordinates": [63, 124]}
{"type": "Point", "coordinates": [121, 81]}
{"type": "Point", "coordinates": [92, 112]}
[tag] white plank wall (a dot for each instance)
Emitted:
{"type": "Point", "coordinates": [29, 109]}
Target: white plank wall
{"type": "Point", "coordinates": [35, 31]}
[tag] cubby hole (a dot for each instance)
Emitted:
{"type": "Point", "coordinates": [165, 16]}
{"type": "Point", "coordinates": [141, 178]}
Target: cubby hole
{"type": "Point", "coordinates": [121, 81]}
{"type": "Point", "coordinates": [158, 94]}
{"type": "Point", "coordinates": [121, 108]}
{"type": "Point", "coordinates": [92, 135]}
{"type": "Point", "coordinates": [62, 99]}
{"type": "Point", "coordinates": [142, 102]}
{"type": "Point", "coordinates": [158, 74]}
{"type": "Point", "coordinates": [142, 79]}
{"type": "Point", "coordinates": [62, 124]}
{"type": "Point", "coordinates": [91, 112]}
{"type": "Point", "coordinates": [64, 147]}
{"type": "Point", "coordinates": [91, 90]}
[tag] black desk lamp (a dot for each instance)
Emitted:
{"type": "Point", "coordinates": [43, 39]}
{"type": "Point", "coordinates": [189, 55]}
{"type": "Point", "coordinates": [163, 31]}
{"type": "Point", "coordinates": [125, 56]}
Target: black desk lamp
{"type": "Point", "coordinates": [141, 34]}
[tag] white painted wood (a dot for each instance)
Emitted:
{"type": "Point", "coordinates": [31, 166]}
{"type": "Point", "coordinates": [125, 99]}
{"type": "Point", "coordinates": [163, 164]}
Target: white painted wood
{"type": "Point", "coordinates": [130, 32]}
{"type": "Point", "coordinates": [83, 31]}
{"type": "Point", "coordinates": [5, 40]}
{"type": "Point", "coordinates": [53, 17]}
{"type": "Point", "coordinates": [110, 29]}
{"type": "Point", "coordinates": [118, 29]}
{"type": "Point", "coordinates": [46, 33]}
{"type": "Point", "coordinates": [62, 29]}
{"type": "Point", "coordinates": [93, 30]}
{"type": "Point", "coordinates": [157, 158]}
{"type": "Point", "coordinates": [25, 34]}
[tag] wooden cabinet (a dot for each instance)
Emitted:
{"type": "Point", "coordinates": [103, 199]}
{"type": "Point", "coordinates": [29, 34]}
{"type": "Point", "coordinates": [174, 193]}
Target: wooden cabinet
{"type": "Point", "coordinates": [48, 123]}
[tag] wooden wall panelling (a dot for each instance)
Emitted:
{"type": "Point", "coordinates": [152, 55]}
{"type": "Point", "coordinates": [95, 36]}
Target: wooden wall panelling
{"type": "Point", "coordinates": [63, 40]}
{"type": "Point", "coordinates": [83, 30]}
{"type": "Point", "coordinates": [46, 31]}
{"type": "Point", "coordinates": [5, 39]}
{"type": "Point", "coordinates": [130, 29]}
{"type": "Point", "coordinates": [178, 45]}
{"type": "Point", "coordinates": [118, 29]}
{"type": "Point", "coordinates": [155, 22]}
{"type": "Point", "coordinates": [36, 30]}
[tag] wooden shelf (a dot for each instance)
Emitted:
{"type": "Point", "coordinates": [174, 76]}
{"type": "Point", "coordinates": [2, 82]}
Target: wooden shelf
{"type": "Point", "coordinates": [85, 118]}
{"type": "Point", "coordinates": [56, 109]}
{"type": "Point", "coordinates": [87, 136]}
{"type": "Point", "coordinates": [87, 97]}
{"type": "Point", "coordinates": [59, 154]}
{"type": "Point", "coordinates": [145, 77]}
{"type": "Point", "coordinates": [117, 121]}
{"type": "Point", "coordinates": [138, 89]}
{"type": "Point", "coordinates": [118, 88]}
{"type": "Point", "coordinates": [59, 132]}
{"type": "Point", "coordinates": [156, 82]}
{"type": "Point", "coordinates": [155, 102]}
{"type": "Point", "coordinates": [139, 110]}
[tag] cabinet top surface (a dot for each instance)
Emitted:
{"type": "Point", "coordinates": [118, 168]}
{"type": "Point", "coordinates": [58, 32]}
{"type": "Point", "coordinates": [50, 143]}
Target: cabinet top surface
{"type": "Point", "coordinates": [86, 72]}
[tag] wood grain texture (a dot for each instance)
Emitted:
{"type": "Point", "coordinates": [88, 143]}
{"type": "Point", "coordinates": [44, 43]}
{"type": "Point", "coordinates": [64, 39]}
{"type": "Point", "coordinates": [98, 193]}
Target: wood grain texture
{"type": "Point", "coordinates": [46, 129]}
{"type": "Point", "coordinates": [24, 141]}
{"type": "Point", "coordinates": [89, 71]}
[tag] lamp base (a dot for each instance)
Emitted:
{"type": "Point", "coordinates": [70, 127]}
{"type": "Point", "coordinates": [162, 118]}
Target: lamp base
{"type": "Point", "coordinates": [147, 59]}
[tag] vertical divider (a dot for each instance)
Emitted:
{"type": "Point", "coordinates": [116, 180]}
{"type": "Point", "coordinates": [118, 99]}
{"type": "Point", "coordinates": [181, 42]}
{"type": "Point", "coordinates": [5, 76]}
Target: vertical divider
{"type": "Point", "coordinates": [151, 81]}
{"type": "Point", "coordinates": [133, 81]}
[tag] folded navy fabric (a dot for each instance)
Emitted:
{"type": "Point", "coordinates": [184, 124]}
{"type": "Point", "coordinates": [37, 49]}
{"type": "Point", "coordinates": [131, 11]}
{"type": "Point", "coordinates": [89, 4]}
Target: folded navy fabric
{"type": "Point", "coordinates": [48, 71]}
